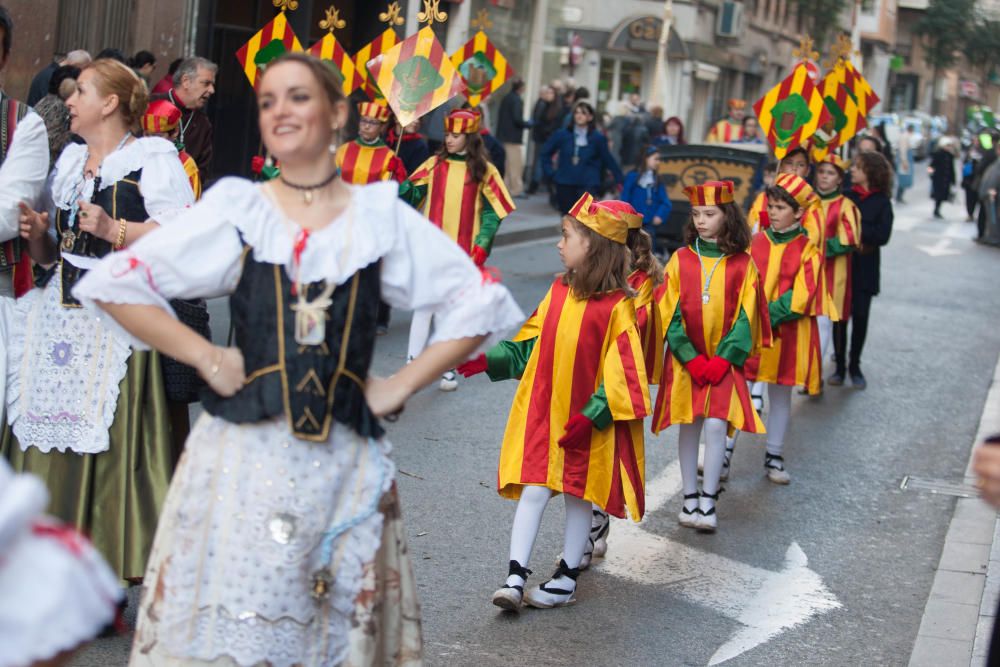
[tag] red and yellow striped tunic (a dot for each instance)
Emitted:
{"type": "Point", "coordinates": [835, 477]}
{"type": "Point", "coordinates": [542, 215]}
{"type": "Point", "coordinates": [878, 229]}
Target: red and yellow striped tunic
{"type": "Point", "coordinates": [362, 164]}
{"type": "Point", "coordinates": [733, 323]}
{"type": "Point", "coordinates": [455, 203]}
{"type": "Point", "coordinates": [725, 131]}
{"type": "Point", "coordinates": [789, 266]}
{"type": "Point", "coordinates": [191, 169]}
{"type": "Point", "coordinates": [580, 346]}
{"type": "Point", "coordinates": [650, 324]}
{"type": "Point", "coordinates": [843, 233]}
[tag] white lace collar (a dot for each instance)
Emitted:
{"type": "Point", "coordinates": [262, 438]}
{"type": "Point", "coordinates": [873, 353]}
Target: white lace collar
{"type": "Point", "coordinates": [116, 166]}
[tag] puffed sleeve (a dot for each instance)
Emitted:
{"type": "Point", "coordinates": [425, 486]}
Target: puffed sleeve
{"type": "Point", "coordinates": [198, 255]}
{"type": "Point", "coordinates": [23, 173]}
{"type": "Point", "coordinates": [425, 270]}
{"type": "Point", "coordinates": [166, 188]}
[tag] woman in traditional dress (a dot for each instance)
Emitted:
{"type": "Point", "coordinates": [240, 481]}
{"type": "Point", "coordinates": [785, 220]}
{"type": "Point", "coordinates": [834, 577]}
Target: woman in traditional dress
{"type": "Point", "coordinates": [89, 413]}
{"type": "Point", "coordinates": [281, 541]}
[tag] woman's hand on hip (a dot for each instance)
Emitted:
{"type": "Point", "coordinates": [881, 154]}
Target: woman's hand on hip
{"type": "Point", "coordinates": [94, 219]}
{"type": "Point", "coordinates": [223, 369]}
{"type": "Point", "coordinates": [386, 396]}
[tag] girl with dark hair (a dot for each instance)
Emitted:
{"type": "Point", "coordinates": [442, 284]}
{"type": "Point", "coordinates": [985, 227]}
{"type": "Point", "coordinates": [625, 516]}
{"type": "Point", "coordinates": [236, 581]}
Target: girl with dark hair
{"type": "Point", "coordinates": [460, 191]}
{"type": "Point", "coordinates": [644, 191]}
{"type": "Point", "coordinates": [575, 426]}
{"type": "Point", "coordinates": [281, 541]}
{"type": "Point", "coordinates": [871, 175]}
{"type": "Point", "coordinates": [712, 329]}
{"type": "Point", "coordinates": [673, 133]}
{"type": "Point", "coordinates": [583, 156]}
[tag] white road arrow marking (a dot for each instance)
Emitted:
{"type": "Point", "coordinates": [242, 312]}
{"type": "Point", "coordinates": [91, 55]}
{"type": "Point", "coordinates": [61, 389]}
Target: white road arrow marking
{"type": "Point", "coordinates": [765, 602]}
{"type": "Point", "coordinates": [941, 248]}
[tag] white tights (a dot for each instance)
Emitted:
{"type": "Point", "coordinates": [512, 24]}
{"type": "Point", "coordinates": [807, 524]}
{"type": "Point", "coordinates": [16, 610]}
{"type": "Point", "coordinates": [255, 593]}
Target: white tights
{"type": "Point", "coordinates": [825, 335]}
{"type": "Point", "coordinates": [779, 411]}
{"type": "Point", "coordinates": [528, 517]}
{"type": "Point", "coordinates": [420, 332]}
{"type": "Point", "coordinates": [715, 451]}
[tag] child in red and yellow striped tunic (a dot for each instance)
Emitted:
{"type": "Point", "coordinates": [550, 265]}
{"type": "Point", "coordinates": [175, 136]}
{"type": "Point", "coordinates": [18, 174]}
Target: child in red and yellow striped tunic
{"type": "Point", "coordinates": [575, 426]}
{"type": "Point", "coordinates": [789, 265]}
{"type": "Point", "coordinates": [368, 159]}
{"type": "Point", "coordinates": [717, 318]}
{"type": "Point", "coordinates": [842, 223]}
{"type": "Point", "coordinates": [460, 191]}
{"type": "Point", "coordinates": [162, 119]}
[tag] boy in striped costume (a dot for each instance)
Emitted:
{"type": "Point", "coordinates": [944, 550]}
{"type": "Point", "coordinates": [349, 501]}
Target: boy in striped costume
{"type": "Point", "coordinates": [460, 191]}
{"type": "Point", "coordinates": [162, 119]}
{"type": "Point", "coordinates": [716, 318]}
{"type": "Point", "coordinates": [575, 426]}
{"type": "Point", "coordinates": [789, 265]}
{"type": "Point", "coordinates": [368, 159]}
{"type": "Point", "coordinates": [729, 129]}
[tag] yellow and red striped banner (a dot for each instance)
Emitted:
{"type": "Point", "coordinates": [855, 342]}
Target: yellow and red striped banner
{"type": "Point", "coordinates": [482, 67]}
{"type": "Point", "coordinates": [373, 49]}
{"type": "Point", "coordinates": [858, 86]}
{"type": "Point", "coordinates": [790, 112]}
{"type": "Point", "coordinates": [275, 38]}
{"type": "Point", "coordinates": [330, 49]}
{"type": "Point", "coordinates": [415, 76]}
{"type": "Point", "coordinates": [846, 118]}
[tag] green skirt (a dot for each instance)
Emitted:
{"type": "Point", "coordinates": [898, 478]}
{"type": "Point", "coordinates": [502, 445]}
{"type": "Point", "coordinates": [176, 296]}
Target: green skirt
{"type": "Point", "coordinates": [113, 497]}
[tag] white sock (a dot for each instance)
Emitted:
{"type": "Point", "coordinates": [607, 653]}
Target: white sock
{"type": "Point", "coordinates": [420, 332]}
{"type": "Point", "coordinates": [577, 533]}
{"type": "Point", "coordinates": [825, 334]}
{"type": "Point", "coordinates": [715, 452]}
{"type": "Point", "coordinates": [780, 399]}
{"type": "Point", "coordinates": [527, 519]}
{"type": "Point", "coordinates": [687, 455]}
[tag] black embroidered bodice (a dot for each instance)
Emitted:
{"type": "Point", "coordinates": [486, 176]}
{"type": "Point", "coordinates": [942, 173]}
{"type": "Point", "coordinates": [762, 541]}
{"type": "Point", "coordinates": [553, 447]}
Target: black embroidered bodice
{"type": "Point", "coordinates": [123, 199]}
{"type": "Point", "coordinates": [309, 384]}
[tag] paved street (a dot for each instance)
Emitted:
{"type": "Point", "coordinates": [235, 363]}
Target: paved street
{"type": "Point", "coordinates": [834, 569]}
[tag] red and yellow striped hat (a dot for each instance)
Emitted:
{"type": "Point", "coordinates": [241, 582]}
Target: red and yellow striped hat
{"type": "Point", "coordinates": [837, 161]}
{"type": "Point", "coordinates": [379, 112]}
{"type": "Point", "coordinates": [735, 103]}
{"type": "Point", "coordinates": [710, 193]}
{"type": "Point", "coordinates": [622, 208]}
{"type": "Point", "coordinates": [161, 116]}
{"type": "Point", "coordinates": [796, 186]}
{"type": "Point", "coordinates": [462, 121]}
{"type": "Point", "coordinates": [604, 217]}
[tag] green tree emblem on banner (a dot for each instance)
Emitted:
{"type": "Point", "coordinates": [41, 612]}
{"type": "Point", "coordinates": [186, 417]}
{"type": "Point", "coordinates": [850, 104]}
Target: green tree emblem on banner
{"type": "Point", "coordinates": [791, 114]}
{"type": "Point", "coordinates": [418, 79]}
{"type": "Point", "coordinates": [477, 71]}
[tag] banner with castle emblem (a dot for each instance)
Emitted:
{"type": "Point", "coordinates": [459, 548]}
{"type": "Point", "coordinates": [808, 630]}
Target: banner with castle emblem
{"type": "Point", "coordinates": [483, 68]}
{"type": "Point", "coordinates": [275, 38]}
{"type": "Point", "coordinates": [790, 113]}
{"type": "Point", "coordinates": [373, 49]}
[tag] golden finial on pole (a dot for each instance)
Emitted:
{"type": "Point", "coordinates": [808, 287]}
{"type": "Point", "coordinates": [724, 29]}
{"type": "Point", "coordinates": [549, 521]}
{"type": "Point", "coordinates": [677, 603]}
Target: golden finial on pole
{"type": "Point", "coordinates": [842, 49]}
{"type": "Point", "coordinates": [290, 5]}
{"type": "Point", "coordinates": [391, 15]}
{"type": "Point", "coordinates": [332, 21]}
{"type": "Point", "coordinates": [432, 13]}
{"type": "Point", "coordinates": [805, 50]}
{"type": "Point", "coordinates": [482, 21]}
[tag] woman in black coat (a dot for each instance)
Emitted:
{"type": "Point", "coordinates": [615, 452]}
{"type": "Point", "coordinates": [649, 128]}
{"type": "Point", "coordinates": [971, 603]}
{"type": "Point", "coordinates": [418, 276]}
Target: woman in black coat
{"type": "Point", "coordinates": [942, 175]}
{"type": "Point", "coordinates": [872, 179]}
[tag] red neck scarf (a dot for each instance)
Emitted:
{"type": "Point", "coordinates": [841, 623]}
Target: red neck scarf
{"type": "Point", "coordinates": [864, 193]}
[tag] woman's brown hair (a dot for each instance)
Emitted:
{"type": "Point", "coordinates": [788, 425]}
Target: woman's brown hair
{"type": "Point", "coordinates": [640, 245]}
{"type": "Point", "coordinates": [877, 170]}
{"type": "Point", "coordinates": [605, 268]}
{"type": "Point", "coordinates": [113, 78]}
{"type": "Point", "coordinates": [476, 156]}
{"type": "Point", "coordinates": [734, 236]}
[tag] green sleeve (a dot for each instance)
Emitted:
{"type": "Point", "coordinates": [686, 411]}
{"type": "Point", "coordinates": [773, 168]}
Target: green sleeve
{"type": "Point", "coordinates": [489, 223]}
{"type": "Point", "coordinates": [781, 311]}
{"type": "Point", "coordinates": [412, 194]}
{"type": "Point", "coordinates": [597, 410]}
{"type": "Point", "coordinates": [736, 345]}
{"type": "Point", "coordinates": [507, 359]}
{"type": "Point", "coordinates": [834, 248]}
{"type": "Point", "coordinates": [677, 339]}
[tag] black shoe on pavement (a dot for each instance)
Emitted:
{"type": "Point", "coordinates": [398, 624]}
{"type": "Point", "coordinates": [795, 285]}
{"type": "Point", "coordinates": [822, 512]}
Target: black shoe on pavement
{"type": "Point", "coordinates": [858, 379]}
{"type": "Point", "coordinates": [837, 379]}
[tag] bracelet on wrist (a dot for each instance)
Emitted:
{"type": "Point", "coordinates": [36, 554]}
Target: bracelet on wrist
{"type": "Point", "coordinates": [122, 231]}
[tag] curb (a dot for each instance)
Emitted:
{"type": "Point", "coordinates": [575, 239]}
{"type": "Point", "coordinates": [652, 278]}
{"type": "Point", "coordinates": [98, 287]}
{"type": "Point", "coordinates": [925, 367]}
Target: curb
{"type": "Point", "coordinates": [958, 619]}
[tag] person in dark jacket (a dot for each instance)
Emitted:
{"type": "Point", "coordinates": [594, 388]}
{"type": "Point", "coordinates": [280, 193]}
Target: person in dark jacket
{"type": "Point", "coordinates": [647, 195]}
{"type": "Point", "coordinates": [40, 84]}
{"type": "Point", "coordinates": [871, 176]}
{"type": "Point", "coordinates": [583, 156]}
{"type": "Point", "coordinates": [942, 174]}
{"type": "Point", "coordinates": [510, 133]}
{"type": "Point", "coordinates": [545, 119]}
{"type": "Point", "coordinates": [194, 84]}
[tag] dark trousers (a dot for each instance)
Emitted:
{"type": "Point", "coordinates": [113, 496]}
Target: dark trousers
{"type": "Point", "coordinates": [382, 319]}
{"type": "Point", "coordinates": [861, 305]}
{"type": "Point", "coordinates": [567, 195]}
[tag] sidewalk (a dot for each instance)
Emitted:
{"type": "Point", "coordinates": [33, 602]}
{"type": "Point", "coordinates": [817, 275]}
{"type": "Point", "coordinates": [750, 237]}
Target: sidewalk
{"type": "Point", "coordinates": [533, 219]}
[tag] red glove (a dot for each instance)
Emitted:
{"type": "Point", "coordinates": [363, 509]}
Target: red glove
{"type": "Point", "coordinates": [697, 367]}
{"type": "Point", "coordinates": [717, 369]}
{"type": "Point", "coordinates": [577, 434]}
{"type": "Point", "coordinates": [473, 366]}
{"type": "Point", "coordinates": [478, 255]}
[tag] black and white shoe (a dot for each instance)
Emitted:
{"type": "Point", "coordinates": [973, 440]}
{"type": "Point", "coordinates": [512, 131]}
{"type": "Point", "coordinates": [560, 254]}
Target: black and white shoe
{"type": "Point", "coordinates": [557, 591]}
{"type": "Point", "coordinates": [688, 516]}
{"type": "Point", "coordinates": [708, 522]}
{"type": "Point", "coordinates": [775, 468]}
{"type": "Point", "coordinates": [509, 596]}
{"type": "Point", "coordinates": [600, 526]}
{"type": "Point", "coordinates": [727, 460]}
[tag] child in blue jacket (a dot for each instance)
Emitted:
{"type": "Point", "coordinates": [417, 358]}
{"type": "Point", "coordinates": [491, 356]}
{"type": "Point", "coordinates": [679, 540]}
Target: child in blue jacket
{"type": "Point", "coordinates": [644, 191]}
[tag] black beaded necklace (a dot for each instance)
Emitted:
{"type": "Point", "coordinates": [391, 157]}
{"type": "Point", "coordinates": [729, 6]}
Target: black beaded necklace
{"type": "Point", "coordinates": [307, 190]}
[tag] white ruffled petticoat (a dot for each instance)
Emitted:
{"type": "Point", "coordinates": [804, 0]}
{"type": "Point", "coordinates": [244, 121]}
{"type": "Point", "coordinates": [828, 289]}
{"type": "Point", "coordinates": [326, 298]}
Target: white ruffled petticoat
{"type": "Point", "coordinates": [63, 375]}
{"type": "Point", "coordinates": [242, 534]}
